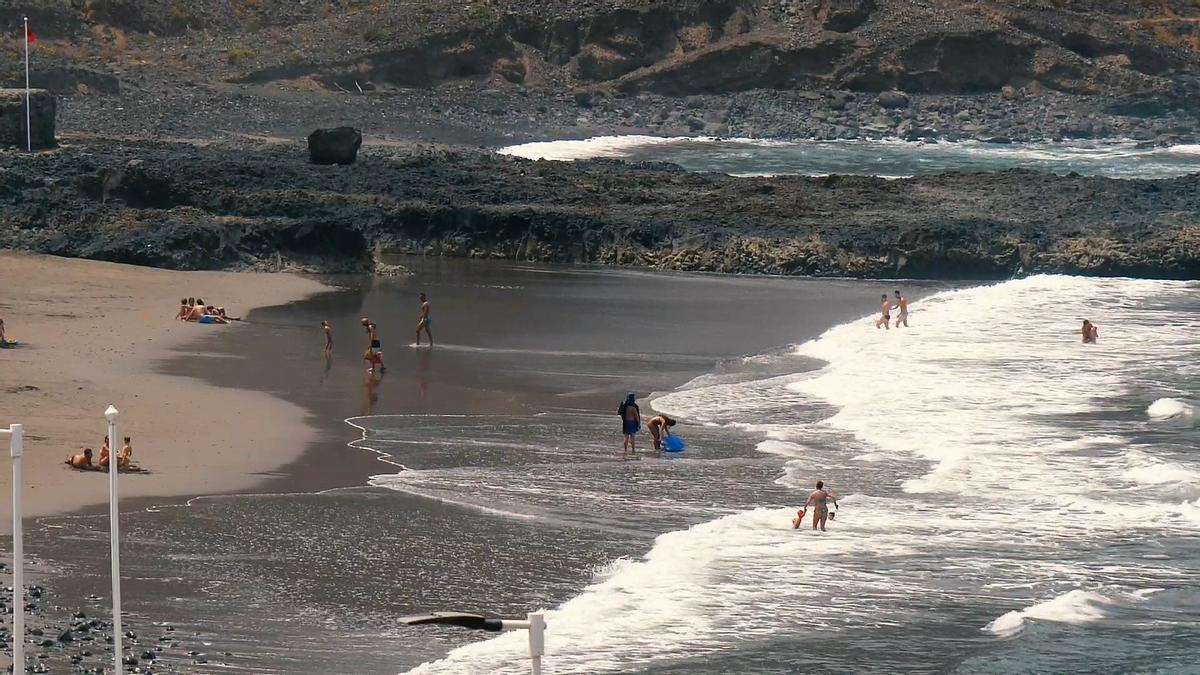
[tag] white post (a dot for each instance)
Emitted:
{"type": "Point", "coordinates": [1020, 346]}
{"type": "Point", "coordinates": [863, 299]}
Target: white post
{"type": "Point", "coordinates": [114, 534]}
{"type": "Point", "coordinates": [15, 443]}
{"type": "Point", "coordinates": [537, 641]}
{"type": "Point", "coordinates": [28, 98]}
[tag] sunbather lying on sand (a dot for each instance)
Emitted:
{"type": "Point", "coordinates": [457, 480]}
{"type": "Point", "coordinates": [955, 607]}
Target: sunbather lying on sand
{"type": "Point", "coordinates": [194, 309]}
{"type": "Point", "coordinates": [83, 461]}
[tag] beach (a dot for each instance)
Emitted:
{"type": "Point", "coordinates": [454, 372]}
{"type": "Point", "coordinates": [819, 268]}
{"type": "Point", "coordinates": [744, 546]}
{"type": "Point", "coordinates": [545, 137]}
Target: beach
{"type": "Point", "coordinates": [92, 334]}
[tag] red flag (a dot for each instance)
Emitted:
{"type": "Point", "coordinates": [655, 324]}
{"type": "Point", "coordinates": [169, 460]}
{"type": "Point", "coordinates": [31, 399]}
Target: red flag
{"type": "Point", "coordinates": [30, 38]}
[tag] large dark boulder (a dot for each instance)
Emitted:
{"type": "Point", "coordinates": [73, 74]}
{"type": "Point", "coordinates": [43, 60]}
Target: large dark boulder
{"type": "Point", "coordinates": [334, 146]}
{"type": "Point", "coordinates": [41, 117]}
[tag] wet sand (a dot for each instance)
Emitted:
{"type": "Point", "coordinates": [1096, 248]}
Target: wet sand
{"type": "Point", "coordinates": [92, 334]}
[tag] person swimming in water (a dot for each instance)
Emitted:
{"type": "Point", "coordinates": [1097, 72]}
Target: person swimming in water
{"type": "Point", "coordinates": [1089, 332]}
{"type": "Point", "coordinates": [885, 307]}
{"type": "Point", "coordinates": [631, 421]}
{"type": "Point", "coordinates": [819, 501]}
{"type": "Point", "coordinates": [425, 321]}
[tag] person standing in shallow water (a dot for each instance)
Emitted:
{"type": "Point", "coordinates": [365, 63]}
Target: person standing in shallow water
{"type": "Point", "coordinates": [328, 330]}
{"type": "Point", "coordinates": [1090, 334]}
{"type": "Point", "coordinates": [425, 321]}
{"type": "Point", "coordinates": [631, 421]}
{"type": "Point", "coordinates": [902, 307]}
{"type": "Point", "coordinates": [819, 501]}
{"type": "Point", "coordinates": [885, 308]}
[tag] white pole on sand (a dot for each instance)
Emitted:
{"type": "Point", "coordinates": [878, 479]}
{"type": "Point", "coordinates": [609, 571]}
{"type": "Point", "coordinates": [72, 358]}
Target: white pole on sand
{"type": "Point", "coordinates": [16, 435]}
{"type": "Point", "coordinates": [114, 535]}
{"type": "Point", "coordinates": [28, 97]}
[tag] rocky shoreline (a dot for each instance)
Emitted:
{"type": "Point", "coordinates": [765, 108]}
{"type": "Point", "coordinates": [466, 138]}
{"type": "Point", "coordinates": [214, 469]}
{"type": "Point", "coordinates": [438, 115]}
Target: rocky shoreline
{"type": "Point", "coordinates": [497, 117]}
{"type": "Point", "coordinates": [262, 206]}
{"type": "Point", "coordinates": [79, 638]}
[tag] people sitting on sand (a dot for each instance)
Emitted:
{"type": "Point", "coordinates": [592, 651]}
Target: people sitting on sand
{"type": "Point", "coordinates": [3, 340]}
{"type": "Point", "coordinates": [197, 309]}
{"type": "Point", "coordinates": [104, 454]}
{"type": "Point", "coordinates": [82, 461]}
{"type": "Point", "coordinates": [1089, 332]}
{"type": "Point", "coordinates": [125, 455]}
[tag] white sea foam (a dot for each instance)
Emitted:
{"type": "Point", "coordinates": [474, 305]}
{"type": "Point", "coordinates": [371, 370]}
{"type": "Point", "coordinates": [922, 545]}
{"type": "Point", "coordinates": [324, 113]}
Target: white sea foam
{"type": "Point", "coordinates": [1165, 409]}
{"type": "Point", "coordinates": [1075, 606]}
{"type": "Point", "coordinates": [885, 158]}
{"type": "Point", "coordinates": [1147, 470]}
{"type": "Point", "coordinates": [589, 148]}
{"type": "Point", "coordinates": [781, 448]}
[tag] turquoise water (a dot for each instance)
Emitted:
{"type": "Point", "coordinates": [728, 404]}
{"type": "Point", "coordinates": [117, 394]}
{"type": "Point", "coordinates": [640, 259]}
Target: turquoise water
{"type": "Point", "coordinates": [891, 159]}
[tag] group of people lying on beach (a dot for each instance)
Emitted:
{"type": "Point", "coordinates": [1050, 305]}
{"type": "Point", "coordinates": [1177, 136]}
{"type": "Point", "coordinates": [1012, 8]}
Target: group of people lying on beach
{"type": "Point", "coordinates": [83, 461]}
{"type": "Point", "coordinates": [194, 309]}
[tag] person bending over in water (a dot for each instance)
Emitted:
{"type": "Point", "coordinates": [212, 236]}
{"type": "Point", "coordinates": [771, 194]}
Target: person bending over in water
{"type": "Point", "coordinates": [659, 427]}
{"type": "Point", "coordinates": [83, 461]}
{"type": "Point", "coordinates": [424, 321]}
{"type": "Point", "coordinates": [631, 421]}
{"type": "Point", "coordinates": [1089, 332]}
{"type": "Point", "coordinates": [885, 307]}
{"type": "Point", "coordinates": [819, 501]}
{"type": "Point", "coordinates": [374, 354]}
{"type": "Point", "coordinates": [902, 306]}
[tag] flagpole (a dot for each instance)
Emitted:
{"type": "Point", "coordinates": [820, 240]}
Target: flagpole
{"type": "Point", "coordinates": [28, 99]}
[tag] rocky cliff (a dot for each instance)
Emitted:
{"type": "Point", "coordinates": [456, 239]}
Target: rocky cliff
{"type": "Point", "coordinates": [1113, 47]}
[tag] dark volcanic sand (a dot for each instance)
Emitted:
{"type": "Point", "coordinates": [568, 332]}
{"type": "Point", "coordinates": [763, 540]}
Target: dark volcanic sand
{"type": "Point", "coordinates": [300, 581]}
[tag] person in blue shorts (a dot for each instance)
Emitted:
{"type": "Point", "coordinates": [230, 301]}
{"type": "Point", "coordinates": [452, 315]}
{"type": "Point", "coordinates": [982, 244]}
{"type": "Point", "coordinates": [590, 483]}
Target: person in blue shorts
{"type": "Point", "coordinates": [631, 421]}
{"type": "Point", "coordinates": [425, 321]}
